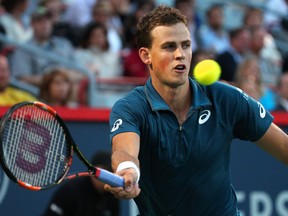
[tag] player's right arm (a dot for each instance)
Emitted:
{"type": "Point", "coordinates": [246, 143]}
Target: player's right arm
{"type": "Point", "coordinates": [125, 148]}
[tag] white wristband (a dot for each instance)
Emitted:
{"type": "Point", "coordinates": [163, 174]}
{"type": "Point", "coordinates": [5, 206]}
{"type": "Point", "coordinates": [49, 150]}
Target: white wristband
{"type": "Point", "coordinates": [129, 164]}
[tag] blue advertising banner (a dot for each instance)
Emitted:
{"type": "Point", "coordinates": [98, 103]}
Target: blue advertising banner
{"type": "Point", "coordinates": [260, 180]}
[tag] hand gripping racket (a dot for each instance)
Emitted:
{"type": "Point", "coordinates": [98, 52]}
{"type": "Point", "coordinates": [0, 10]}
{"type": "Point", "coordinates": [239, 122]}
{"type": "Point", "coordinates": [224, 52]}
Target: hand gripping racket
{"type": "Point", "coordinates": [36, 149]}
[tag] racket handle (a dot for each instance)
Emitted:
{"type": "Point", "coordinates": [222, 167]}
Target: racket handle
{"type": "Point", "coordinates": [109, 178]}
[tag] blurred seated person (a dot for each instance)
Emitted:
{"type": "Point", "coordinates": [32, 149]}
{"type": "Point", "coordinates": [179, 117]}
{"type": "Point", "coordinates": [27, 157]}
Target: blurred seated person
{"type": "Point", "coordinates": [85, 196]}
{"type": "Point", "coordinates": [16, 27]}
{"type": "Point", "coordinates": [56, 88]}
{"type": "Point", "coordinates": [61, 27]}
{"type": "Point", "coordinates": [282, 93]}
{"type": "Point", "coordinates": [253, 19]}
{"type": "Point", "coordinates": [248, 77]}
{"type": "Point", "coordinates": [132, 64]}
{"type": "Point", "coordinates": [270, 68]}
{"type": "Point", "coordinates": [188, 8]}
{"type": "Point", "coordinates": [212, 35]}
{"type": "Point", "coordinates": [234, 55]}
{"type": "Point", "coordinates": [29, 67]}
{"type": "Point", "coordinates": [104, 13]}
{"type": "Point", "coordinates": [10, 95]}
{"type": "Point", "coordinates": [78, 12]}
{"type": "Point", "coordinates": [95, 55]}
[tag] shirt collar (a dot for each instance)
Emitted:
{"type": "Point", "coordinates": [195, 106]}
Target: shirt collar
{"type": "Point", "coordinates": [199, 97]}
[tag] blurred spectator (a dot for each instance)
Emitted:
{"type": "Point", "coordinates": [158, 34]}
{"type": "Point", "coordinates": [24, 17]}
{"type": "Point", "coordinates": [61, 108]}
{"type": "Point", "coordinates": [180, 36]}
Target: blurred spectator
{"type": "Point", "coordinates": [103, 12]}
{"type": "Point", "coordinates": [85, 196]}
{"type": "Point", "coordinates": [16, 27]}
{"type": "Point", "coordinates": [56, 88]}
{"type": "Point", "coordinates": [248, 78]}
{"type": "Point", "coordinates": [10, 95]}
{"type": "Point", "coordinates": [55, 8]}
{"type": "Point", "coordinates": [212, 35]}
{"type": "Point", "coordinates": [61, 27]}
{"type": "Point", "coordinates": [277, 20]}
{"type": "Point", "coordinates": [253, 19]}
{"type": "Point", "coordinates": [285, 63]}
{"type": "Point", "coordinates": [275, 11]}
{"type": "Point", "coordinates": [187, 7]}
{"type": "Point", "coordinates": [282, 93]}
{"type": "Point", "coordinates": [94, 52]}
{"type": "Point", "coordinates": [132, 64]}
{"type": "Point", "coordinates": [198, 56]}
{"type": "Point", "coordinates": [79, 12]}
{"type": "Point", "coordinates": [140, 8]}
{"type": "Point", "coordinates": [270, 70]}
{"type": "Point", "coordinates": [229, 59]}
{"type": "Point", "coordinates": [28, 67]}
{"type": "Point", "coordinates": [121, 9]}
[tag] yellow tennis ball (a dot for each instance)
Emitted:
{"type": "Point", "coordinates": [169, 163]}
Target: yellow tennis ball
{"type": "Point", "coordinates": [207, 72]}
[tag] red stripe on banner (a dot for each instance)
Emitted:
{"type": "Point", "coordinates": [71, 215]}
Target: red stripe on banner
{"type": "Point", "coordinates": [85, 114]}
{"type": "Point", "coordinates": [280, 118]}
{"type": "Point", "coordinates": [88, 114]}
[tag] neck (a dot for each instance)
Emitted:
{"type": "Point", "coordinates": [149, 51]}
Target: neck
{"type": "Point", "coordinates": [178, 99]}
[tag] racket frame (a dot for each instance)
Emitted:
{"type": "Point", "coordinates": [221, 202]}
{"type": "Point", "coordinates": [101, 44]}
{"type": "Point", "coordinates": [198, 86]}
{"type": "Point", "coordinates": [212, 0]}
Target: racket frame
{"type": "Point", "coordinates": [101, 174]}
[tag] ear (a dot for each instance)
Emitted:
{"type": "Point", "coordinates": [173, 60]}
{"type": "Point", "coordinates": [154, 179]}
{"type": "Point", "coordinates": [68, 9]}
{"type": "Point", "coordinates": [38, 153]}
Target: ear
{"type": "Point", "coordinates": [145, 55]}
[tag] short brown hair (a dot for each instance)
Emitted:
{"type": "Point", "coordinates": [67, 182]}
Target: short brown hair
{"type": "Point", "coordinates": [160, 16]}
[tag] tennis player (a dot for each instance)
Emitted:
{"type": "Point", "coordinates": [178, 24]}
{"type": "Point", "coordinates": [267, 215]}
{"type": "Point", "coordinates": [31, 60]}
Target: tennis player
{"type": "Point", "coordinates": [178, 133]}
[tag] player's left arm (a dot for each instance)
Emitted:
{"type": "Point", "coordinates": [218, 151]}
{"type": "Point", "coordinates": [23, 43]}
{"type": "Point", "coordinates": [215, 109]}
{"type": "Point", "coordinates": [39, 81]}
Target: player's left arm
{"type": "Point", "coordinates": [275, 142]}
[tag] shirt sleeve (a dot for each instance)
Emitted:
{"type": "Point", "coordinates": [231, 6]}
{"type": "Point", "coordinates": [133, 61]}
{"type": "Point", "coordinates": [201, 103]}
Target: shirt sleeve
{"type": "Point", "coordinates": [123, 119]}
{"type": "Point", "coordinates": [251, 119]}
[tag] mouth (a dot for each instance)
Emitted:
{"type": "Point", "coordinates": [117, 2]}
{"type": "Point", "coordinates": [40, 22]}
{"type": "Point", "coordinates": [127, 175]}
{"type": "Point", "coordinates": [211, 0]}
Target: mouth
{"type": "Point", "coordinates": [180, 68]}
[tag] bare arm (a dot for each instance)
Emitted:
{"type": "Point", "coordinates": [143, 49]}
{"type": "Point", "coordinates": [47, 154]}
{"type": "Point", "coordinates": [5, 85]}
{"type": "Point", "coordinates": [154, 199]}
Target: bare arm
{"type": "Point", "coordinates": [125, 147]}
{"type": "Point", "coordinates": [275, 142]}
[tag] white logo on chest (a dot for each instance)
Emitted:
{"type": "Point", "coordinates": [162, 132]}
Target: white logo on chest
{"type": "Point", "coordinates": [205, 115]}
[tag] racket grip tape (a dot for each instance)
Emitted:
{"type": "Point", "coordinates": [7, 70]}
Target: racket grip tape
{"type": "Point", "coordinates": [109, 178]}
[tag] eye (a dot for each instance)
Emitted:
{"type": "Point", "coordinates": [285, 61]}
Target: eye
{"type": "Point", "coordinates": [186, 45]}
{"type": "Point", "coordinates": [170, 47]}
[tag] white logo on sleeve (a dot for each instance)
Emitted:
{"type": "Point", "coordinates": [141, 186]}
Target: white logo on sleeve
{"type": "Point", "coordinates": [246, 97]}
{"type": "Point", "coordinates": [205, 115]}
{"type": "Point", "coordinates": [262, 110]}
{"type": "Point", "coordinates": [116, 125]}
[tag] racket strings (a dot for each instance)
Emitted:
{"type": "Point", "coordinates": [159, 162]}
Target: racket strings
{"type": "Point", "coordinates": [35, 147]}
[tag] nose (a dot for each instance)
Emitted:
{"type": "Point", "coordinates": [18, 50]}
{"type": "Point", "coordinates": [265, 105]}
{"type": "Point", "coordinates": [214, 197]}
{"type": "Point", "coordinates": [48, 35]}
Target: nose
{"type": "Point", "coordinates": [179, 53]}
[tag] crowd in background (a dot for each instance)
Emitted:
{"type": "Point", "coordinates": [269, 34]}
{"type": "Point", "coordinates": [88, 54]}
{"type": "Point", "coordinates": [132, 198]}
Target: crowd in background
{"type": "Point", "coordinates": [99, 35]}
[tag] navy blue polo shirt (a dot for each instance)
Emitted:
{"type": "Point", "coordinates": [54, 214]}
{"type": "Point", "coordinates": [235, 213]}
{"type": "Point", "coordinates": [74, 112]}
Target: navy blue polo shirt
{"type": "Point", "coordinates": [185, 168]}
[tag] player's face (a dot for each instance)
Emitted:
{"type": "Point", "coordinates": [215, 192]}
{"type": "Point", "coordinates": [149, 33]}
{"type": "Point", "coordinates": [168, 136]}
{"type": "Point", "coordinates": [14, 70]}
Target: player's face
{"type": "Point", "coordinates": [170, 54]}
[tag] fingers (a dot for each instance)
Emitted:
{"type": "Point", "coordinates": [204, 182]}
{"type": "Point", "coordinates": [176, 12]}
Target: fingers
{"type": "Point", "coordinates": [122, 193]}
{"type": "Point", "coordinates": [130, 190]}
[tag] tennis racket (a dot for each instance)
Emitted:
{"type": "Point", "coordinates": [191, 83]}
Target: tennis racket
{"type": "Point", "coordinates": [37, 149]}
